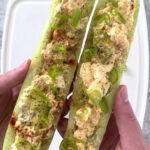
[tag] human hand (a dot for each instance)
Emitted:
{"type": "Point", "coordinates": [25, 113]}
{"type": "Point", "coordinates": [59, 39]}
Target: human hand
{"type": "Point", "coordinates": [123, 131]}
{"type": "Point", "coordinates": [10, 84]}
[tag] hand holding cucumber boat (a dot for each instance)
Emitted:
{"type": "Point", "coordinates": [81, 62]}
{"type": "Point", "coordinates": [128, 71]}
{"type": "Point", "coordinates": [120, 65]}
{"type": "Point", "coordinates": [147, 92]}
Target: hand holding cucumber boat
{"type": "Point", "coordinates": [53, 67]}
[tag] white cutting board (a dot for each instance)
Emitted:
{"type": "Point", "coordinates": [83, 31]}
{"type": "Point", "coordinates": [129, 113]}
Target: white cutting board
{"type": "Point", "coordinates": [24, 24]}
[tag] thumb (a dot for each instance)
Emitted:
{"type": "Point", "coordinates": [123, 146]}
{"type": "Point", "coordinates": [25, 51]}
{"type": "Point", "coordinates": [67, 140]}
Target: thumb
{"type": "Point", "coordinates": [12, 78]}
{"type": "Point", "coordinates": [128, 126]}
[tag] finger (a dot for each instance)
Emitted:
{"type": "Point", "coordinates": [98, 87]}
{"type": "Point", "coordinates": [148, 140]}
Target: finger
{"type": "Point", "coordinates": [129, 129]}
{"type": "Point", "coordinates": [118, 147]}
{"type": "Point", "coordinates": [14, 77]}
{"type": "Point", "coordinates": [62, 126]}
{"type": "Point", "coordinates": [15, 92]}
{"type": "Point", "coordinates": [111, 136]}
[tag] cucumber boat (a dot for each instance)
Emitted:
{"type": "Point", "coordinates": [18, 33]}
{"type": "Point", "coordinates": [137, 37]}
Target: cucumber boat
{"type": "Point", "coordinates": [99, 73]}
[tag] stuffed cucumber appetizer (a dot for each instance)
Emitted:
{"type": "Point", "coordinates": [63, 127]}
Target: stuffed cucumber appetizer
{"type": "Point", "coordinates": [99, 73]}
{"type": "Point", "coordinates": [48, 81]}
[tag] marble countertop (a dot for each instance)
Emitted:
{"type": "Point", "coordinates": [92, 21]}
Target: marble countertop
{"type": "Point", "coordinates": [146, 127]}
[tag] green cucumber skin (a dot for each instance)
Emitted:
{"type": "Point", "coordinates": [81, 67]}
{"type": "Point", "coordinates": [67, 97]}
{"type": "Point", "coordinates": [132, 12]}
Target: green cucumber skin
{"type": "Point", "coordinates": [100, 131]}
{"type": "Point", "coordinates": [35, 68]}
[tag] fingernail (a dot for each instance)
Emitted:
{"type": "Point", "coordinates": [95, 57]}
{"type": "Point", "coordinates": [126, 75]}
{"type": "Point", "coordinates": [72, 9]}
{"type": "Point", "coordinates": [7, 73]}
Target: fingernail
{"type": "Point", "coordinates": [124, 94]}
{"type": "Point", "coordinates": [25, 63]}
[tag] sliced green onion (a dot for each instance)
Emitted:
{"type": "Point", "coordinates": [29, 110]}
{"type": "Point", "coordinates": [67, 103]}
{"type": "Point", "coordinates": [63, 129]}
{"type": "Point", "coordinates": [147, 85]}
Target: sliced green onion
{"type": "Point", "coordinates": [114, 75]}
{"type": "Point", "coordinates": [83, 112]}
{"type": "Point", "coordinates": [76, 18]}
{"type": "Point", "coordinates": [59, 48]}
{"type": "Point", "coordinates": [106, 53]}
{"type": "Point", "coordinates": [104, 17]}
{"type": "Point", "coordinates": [22, 144]}
{"type": "Point", "coordinates": [40, 125]}
{"type": "Point", "coordinates": [61, 16]}
{"type": "Point", "coordinates": [69, 143]}
{"type": "Point", "coordinates": [104, 105]}
{"type": "Point", "coordinates": [36, 92]}
{"type": "Point", "coordinates": [60, 21]}
{"type": "Point", "coordinates": [113, 11]}
{"type": "Point", "coordinates": [95, 97]}
{"type": "Point", "coordinates": [114, 3]}
{"type": "Point", "coordinates": [122, 20]}
{"type": "Point", "coordinates": [107, 19]}
{"type": "Point", "coordinates": [89, 53]}
{"type": "Point", "coordinates": [54, 90]}
{"type": "Point", "coordinates": [100, 36]}
{"type": "Point", "coordinates": [46, 112]}
{"type": "Point", "coordinates": [55, 71]}
{"type": "Point", "coordinates": [100, 19]}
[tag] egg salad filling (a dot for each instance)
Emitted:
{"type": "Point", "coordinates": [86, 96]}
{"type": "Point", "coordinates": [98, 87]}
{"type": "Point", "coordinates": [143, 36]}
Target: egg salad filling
{"type": "Point", "coordinates": [99, 69]}
{"type": "Point", "coordinates": [42, 101]}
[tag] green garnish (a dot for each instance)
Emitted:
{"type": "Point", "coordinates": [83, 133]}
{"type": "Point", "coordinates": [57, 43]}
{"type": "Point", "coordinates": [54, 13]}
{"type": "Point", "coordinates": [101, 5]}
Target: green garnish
{"type": "Point", "coordinates": [21, 144]}
{"type": "Point", "coordinates": [36, 92]}
{"type": "Point", "coordinates": [113, 11]}
{"type": "Point", "coordinates": [55, 71]}
{"type": "Point", "coordinates": [95, 97]}
{"type": "Point", "coordinates": [122, 20]}
{"type": "Point", "coordinates": [113, 76]}
{"type": "Point", "coordinates": [105, 53]}
{"type": "Point", "coordinates": [54, 90]}
{"type": "Point", "coordinates": [83, 112]}
{"type": "Point", "coordinates": [61, 16]}
{"type": "Point", "coordinates": [76, 17]}
{"type": "Point", "coordinates": [103, 18]}
{"type": "Point", "coordinates": [60, 49]}
{"type": "Point", "coordinates": [60, 21]}
{"type": "Point", "coordinates": [114, 3]}
{"type": "Point", "coordinates": [100, 36]}
{"type": "Point", "coordinates": [89, 53]}
{"type": "Point", "coordinates": [104, 105]}
{"type": "Point", "coordinates": [40, 125]}
{"type": "Point", "coordinates": [69, 143]}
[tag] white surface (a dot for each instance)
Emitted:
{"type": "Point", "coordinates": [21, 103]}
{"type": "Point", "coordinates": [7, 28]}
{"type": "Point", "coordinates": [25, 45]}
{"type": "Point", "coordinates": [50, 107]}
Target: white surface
{"type": "Point", "coordinates": [24, 24]}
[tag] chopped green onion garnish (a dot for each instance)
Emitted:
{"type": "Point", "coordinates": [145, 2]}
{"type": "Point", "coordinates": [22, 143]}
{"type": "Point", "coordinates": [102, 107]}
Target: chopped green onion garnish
{"type": "Point", "coordinates": [40, 125]}
{"type": "Point", "coordinates": [46, 112]}
{"type": "Point", "coordinates": [61, 16]}
{"type": "Point", "coordinates": [114, 3]}
{"type": "Point", "coordinates": [113, 11]}
{"type": "Point", "coordinates": [59, 21]}
{"type": "Point", "coordinates": [122, 20]}
{"type": "Point", "coordinates": [104, 105]}
{"type": "Point", "coordinates": [89, 53]}
{"type": "Point", "coordinates": [105, 53]}
{"type": "Point", "coordinates": [22, 144]}
{"type": "Point", "coordinates": [104, 17]}
{"type": "Point", "coordinates": [36, 92]}
{"type": "Point", "coordinates": [114, 75]}
{"type": "Point", "coordinates": [100, 36]}
{"type": "Point", "coordinates": [76, 17]}
{"type": "Point", "coordinates": [59, 48]}
{"type": "Point", "coordinates": [55, 71]}
{"type": "Point", "coordinates": [69, 143]}
{"type": "Point", "coordinates": [95, 97]}
{"type": "Point", "coordinates": [83, 112]}
{"type": "Point", "coordinates": [54, 90]}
